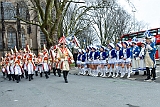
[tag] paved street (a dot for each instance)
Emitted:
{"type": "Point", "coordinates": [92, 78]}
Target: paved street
{"type": "Point", "coordinates": [81, 91]}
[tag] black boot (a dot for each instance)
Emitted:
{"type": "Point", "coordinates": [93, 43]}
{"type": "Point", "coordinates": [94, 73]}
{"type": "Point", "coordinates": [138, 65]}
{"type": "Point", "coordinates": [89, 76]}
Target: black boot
{"type": "Point", "coordinates": [36, 72]}
{"type": "Point", "coordinates": [22, 76]}
{"type": "Point", "coordinates": [32, 76]}
{"type": "Point", "coordinates": [46, 75]}
{"type": "Point", "coordinates": [153, 71]}
{"type": "Point", "coordinates": [49, 72]}
{"type": "Point", "coordinates": [65, 73]}
{"type": "Point", "coordinates": [29, 77]}
{"type": "Point", "coordinates": [54, 71]}
{"type": "Point", "coordinates": [148, 73]}
{"type": "Point", "coordinates": [136, 73]}
{"type": "Point", "coordinates": [17, 78]}
{"type": "Point", "coordinates": [13, 77]}
{"type": "Point", "coordinates": [26, 74]}
{"type": "Point", "coordinates": [41, 74]}
{"type": "Point", "coordinates": [9, 76]}
{"type": "Point", "coordinates": [144, 73]}
{"type": "Point", "coordinates": [59, 72]}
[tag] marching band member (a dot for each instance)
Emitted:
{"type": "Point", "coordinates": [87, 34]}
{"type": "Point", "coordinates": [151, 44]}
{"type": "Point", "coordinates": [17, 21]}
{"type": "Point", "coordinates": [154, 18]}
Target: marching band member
{"type": "Point", "coordinates": [17, 71]}
{"type": "Point", "coordinates": [46, 67]}
{"type": "Point", "coordinates": [3, 70]}
{"type": "Point", "coordinates": [83, 63]}
{"type": "Point", "coordinates": [118, 61]}
{"type": "Point", "coordinates": [64, 54]}
{"type": "Point", "coordinates": [79, 57]}
{"type": "Point", "coordinates": [30, 68]}
{"type": "Point", "coordinates": [52, 56]}
{"type": "Point", "coordinates": [141, 56]}
{"type": "Point", "coordinates": [25, 68]}
{"type": "Point", "coordinates": [8, 69]}
{"type": "Point", "coordinates": [40, 63]}
{"type": "Point", "coordinates": [3, 67]}
{"type": "Point", "coordinates": [111, 59]}
{"type": "Point", "coordinates": [135, 59]}
{"type": "Point", "coordinates": [125, 59]}
{"type": "Point", "coordinates": [12, 68]}
{"type": "Point", "coordinates": [90, 61]}
{"type": "Point", "coordinates": [102, 61]}
{"type": "Point", "coordinates": [94, 57]}
{"type": "Point", "coordinates": [150, 58]}
{"type": "Point", "coordinates": [36, 65]}
{"type": "Point", "coordinates": [87, 61]}
{"type": "Point", "coordinates": [57, 63]}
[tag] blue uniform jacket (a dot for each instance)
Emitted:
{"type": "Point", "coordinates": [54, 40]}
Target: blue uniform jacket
{"type": "Point", "coordinates": [113, 53]}
{"type": "Point", "coordinates": [83, 57]}
{"type": "Point", "coordinates": [128, 52]}
{"type": "Point", "coordinates": [135, 51]}
{"type": "Point", "coordinates": [131, 54]}
{"type": "Point", "coordinates": [152, 52]}
{"type": "Point", "coordinates": [79, 56]}
{"type": "Point", "coordinates": [120, 54]}
{"type": "Point", "coordinates": [104, 55]}
{"type": "Point", "coordinates": [96, 55]}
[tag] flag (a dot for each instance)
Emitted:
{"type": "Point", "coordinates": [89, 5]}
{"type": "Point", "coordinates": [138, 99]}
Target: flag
{"type": "Point", "coordinates": [75, 41]}
{"type": "Point", "coordinates": [62, 40]}
{"type": "Point", "coordinates": [147, 34]}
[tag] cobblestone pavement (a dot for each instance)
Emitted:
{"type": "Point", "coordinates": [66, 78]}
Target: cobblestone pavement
{"type": "Point", "coordinates": [81, 91]}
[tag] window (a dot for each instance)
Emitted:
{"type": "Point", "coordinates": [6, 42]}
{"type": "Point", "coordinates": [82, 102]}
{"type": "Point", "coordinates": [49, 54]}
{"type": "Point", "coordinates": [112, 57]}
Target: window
{"type": "Point", "coordinates": [11, 37]}
{"type": "Point", "coordinates": [132, 35]}
{"type": "Point", "coordinates": [158, 31]}
{"type": "Point", "coordinates": [140, 35]}
{"type": "Point", "coordinates": [153, 32]}
{"type": "Point", "coordinates": [23, 38]}
{"type": "Point", "coordinates": [42, 39]}
{"type": "Point", "coordinates": [9, 11]}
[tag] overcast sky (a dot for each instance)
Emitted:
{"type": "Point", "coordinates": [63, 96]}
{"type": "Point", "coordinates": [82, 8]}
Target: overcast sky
{"type": "Point", "coordinates": [146, 10]}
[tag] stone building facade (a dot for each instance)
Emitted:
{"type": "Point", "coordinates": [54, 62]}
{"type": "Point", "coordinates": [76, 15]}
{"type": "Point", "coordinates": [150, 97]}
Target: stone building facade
{"type": "Point", "coordinates": [30, 34]}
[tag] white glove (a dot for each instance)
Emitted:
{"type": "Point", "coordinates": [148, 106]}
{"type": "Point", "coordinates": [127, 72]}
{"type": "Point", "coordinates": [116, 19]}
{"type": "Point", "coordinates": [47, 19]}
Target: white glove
{"type": "Point", "coordinates": [72, 61]}
{"type": "Point", "coordinates": [62, 59]}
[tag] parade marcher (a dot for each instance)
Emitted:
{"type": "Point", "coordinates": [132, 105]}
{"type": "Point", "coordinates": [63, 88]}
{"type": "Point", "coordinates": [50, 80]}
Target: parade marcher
{"type": "Point", "coordinates": [135, 59]}
{"type": "Point", "coordinates": [90, 62]}
{"type": "Point", "coordinates": [118, 61]}
{"type": "Point", "coordinates": [111, 59]}
{"type": "Point", "coordinates": [12, 68]}
{"type": "Point", "coordinates": [141, 56]}
{"type": "Point", "coordinates": [17, 71]}
{"type": "Point", "coordinates": [3, 67]}
{"type": "Point", "coordinates": [30, 68]}
{"type": "Point", "coordinates": [46, 67]}
{"type": "Point", "coordinates": [125, 60]}
{"type": "Point", "coordinates": [75, 58]}
{"type": "Point", "coordinates": [40, 63]}
{"type": "Point", "coordinates": [64, 54]}
{"type": "Point", "coordinates": [87, 61]}
{"type": "Point", "coordinates": [79, 61]}
{"type": "Point", "coordinates": [94, 61]}
{"type": "Point", "coordinates": [102, 61]}
{"type": "Point", "coordinates": [83, 63]}
{"type": "Point", "coordinates": [150, 58]}
{"type": "Point", "coordinates": [8, 69]}
{"type": "Point", "coordinates": [36, 66]}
